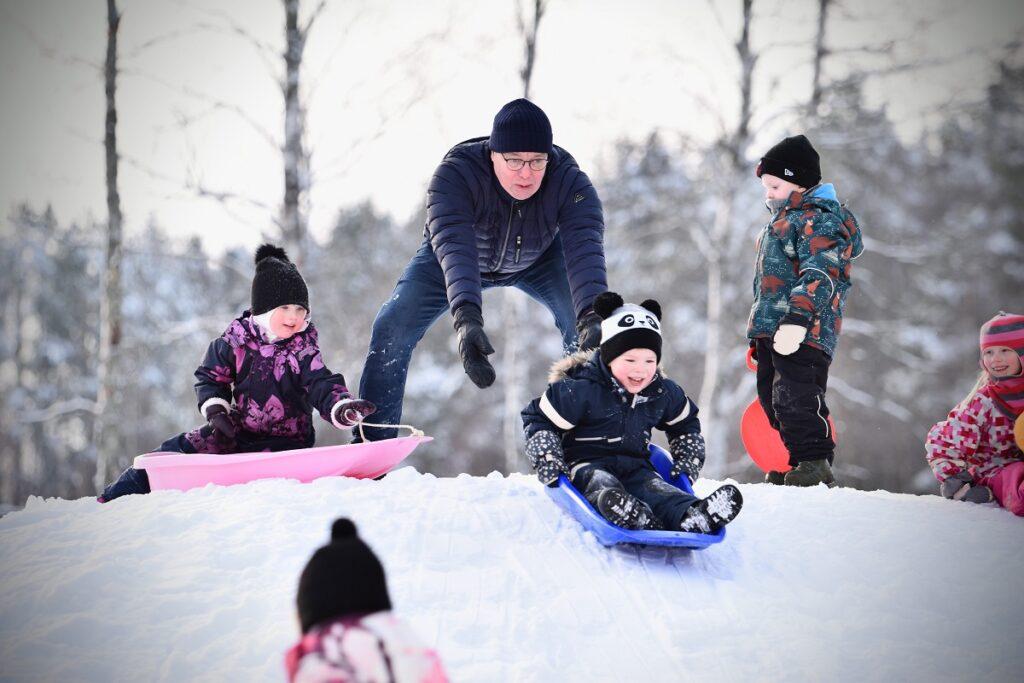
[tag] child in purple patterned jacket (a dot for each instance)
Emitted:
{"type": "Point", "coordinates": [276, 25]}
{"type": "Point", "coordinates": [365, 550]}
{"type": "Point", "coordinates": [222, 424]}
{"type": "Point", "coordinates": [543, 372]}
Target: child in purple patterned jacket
{"type": "Point", "coordinates": [268, 362]}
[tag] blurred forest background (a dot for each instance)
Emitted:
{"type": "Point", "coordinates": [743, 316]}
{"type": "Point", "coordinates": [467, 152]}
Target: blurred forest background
{"type": "Point", "coordinates": [104, 319]}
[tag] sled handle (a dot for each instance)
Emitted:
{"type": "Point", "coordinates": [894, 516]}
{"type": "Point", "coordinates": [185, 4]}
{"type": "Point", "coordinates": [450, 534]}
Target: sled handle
{"type": "Point", "coordinates": [413, 431]}
{"type": "Point", "coordinates": [751, 361]}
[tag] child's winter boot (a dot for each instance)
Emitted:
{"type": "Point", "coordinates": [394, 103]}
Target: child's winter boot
{"type": "Point", "coordinates": [712, 513]}
{"type": "Point", "coordinates": [131, 481]}
{"type": "Point", "coordinates": [773, 477]}
{"type": "Point", "coordinates": [811, 473]}
{"type": "Point", "coordinates": [626, 511]}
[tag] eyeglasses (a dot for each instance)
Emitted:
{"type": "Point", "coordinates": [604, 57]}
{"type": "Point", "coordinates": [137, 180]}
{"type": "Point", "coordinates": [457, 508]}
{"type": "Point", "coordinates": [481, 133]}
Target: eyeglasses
{"type": "Point", "coordinates": [515, 164]}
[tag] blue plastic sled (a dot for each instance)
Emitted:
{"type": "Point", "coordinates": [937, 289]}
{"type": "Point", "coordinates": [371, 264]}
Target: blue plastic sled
{"type": "Point", "coordinates": [573, 502]}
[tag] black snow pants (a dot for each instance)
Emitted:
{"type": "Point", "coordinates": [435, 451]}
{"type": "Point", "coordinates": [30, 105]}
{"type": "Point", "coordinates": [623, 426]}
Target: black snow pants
{"type": "Point", "coordinates": [791, 390]}
{"type": "Point", "coordinates": [637, 477]}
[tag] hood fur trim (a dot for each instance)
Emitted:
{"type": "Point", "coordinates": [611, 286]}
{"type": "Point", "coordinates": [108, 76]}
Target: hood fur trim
{"type": "Point", "coordinates": [561, 368]}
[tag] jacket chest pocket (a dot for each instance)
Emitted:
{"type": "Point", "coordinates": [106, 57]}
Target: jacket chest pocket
{"type": "Point", "coordinates": [599, 439]}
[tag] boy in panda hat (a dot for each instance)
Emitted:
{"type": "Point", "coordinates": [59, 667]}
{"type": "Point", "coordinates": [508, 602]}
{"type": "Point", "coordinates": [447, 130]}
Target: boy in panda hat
{"type": "Point", "coordinates": [261, 379]}
{"type": "Point", "coordinates": [594, 422]}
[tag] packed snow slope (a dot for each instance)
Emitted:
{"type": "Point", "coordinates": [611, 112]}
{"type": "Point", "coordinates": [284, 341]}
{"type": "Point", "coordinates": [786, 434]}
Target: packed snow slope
{"type": "Point", "coordinates": [809, 585]}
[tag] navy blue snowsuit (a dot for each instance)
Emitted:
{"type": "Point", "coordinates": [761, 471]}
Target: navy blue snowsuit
{"type": "Point", "coordinates": [550, 246]}
{"type": "Point", "coordinates": [606, 431]}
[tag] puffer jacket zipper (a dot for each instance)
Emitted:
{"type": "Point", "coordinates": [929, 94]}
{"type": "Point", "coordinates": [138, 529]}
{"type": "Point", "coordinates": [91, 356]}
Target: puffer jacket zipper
{"type": "Point", "coordinates": [508, 233]}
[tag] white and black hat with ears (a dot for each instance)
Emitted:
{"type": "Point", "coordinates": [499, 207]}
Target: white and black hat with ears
{"type": "Point", "coordinates": [627, 326]}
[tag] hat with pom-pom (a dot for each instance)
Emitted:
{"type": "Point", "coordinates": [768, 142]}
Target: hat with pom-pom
{"type": "Point", "coordinates": [343, 577]}
{"type": "Point", "coordinates": [277, 281]}
{"type": "Point", "coordinates": [627, 326]}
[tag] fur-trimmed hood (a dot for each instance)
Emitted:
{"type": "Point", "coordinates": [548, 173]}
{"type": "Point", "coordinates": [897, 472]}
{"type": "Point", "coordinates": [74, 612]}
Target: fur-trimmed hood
{"type": "Point", "coordinates": [563, 367]}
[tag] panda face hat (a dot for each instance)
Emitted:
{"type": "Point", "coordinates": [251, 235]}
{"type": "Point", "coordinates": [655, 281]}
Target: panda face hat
{"type": "Point", "coordinates": [627, 326]}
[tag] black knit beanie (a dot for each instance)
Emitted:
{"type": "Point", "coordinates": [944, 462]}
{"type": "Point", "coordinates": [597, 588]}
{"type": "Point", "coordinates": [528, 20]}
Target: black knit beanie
{"type": "Point", "coordinates": [627, 326]}
{"type": "Point", "coordinates": [343, 577]}
{"type": "Point", "coordinates": [277, 281]}
{"type": "Point", "coordinates": [794, 159]}
{"type": "Point", "coordinates": [521, 126]}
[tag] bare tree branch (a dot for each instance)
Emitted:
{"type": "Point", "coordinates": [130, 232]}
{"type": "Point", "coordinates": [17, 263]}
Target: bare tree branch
{"type": "Point", "coordinates": [212, 101]}
{"type": "Point", "coordinates": [313, 17]}
{"type": "Point", "coordinates": [48, 51]}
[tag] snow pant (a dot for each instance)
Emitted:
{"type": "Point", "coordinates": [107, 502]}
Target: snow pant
{"type": "Point", "coordinates": [791, 390]}
{"type": "Point", "coordinates": [637, 477]}
{"type": "Point", "coordinates": [202, 440]}
{"type": "Point", "coordinates": [420, 298]}
{"type": "Point", "coordinates": [1007, 484]}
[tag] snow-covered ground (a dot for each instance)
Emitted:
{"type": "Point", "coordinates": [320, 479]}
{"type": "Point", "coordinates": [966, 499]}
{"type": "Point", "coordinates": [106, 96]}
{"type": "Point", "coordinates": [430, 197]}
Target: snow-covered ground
{"type": "Point", "coordinates": [818, 584]}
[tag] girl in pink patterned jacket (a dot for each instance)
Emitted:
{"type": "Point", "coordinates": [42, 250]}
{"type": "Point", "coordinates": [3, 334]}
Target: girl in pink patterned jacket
{"type": "Point", "coordinates": [974, 452]}
{"type": "Point", "coordinates": [349, 634]}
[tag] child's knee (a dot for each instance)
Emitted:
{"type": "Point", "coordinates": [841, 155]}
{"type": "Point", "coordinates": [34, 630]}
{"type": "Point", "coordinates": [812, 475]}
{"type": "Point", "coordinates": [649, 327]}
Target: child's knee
{"type": "Point", "coordinates": [589, 478]}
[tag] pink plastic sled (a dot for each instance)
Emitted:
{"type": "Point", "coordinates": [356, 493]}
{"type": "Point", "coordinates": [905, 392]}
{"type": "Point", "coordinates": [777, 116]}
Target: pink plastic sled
{"type": "Point", "coordinates": [184, 471]}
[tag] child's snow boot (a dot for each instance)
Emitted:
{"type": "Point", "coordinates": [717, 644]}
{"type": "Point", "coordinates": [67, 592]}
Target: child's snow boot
{"type": "Point", "coordinates": [811, 473]}
{"type": "Point", "coordinates": [131, 481]}
{"type": "Point", "coordinates": [773, 477]}
{"type": "Point", "coordinates": [626, 511]}
{"type": "Point", "coordinates": [712, 513]}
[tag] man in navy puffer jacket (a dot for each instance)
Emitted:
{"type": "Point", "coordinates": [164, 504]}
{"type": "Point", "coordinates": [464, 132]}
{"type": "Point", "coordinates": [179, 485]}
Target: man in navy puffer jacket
{"type": "Point", "coordinates": [508, 210]}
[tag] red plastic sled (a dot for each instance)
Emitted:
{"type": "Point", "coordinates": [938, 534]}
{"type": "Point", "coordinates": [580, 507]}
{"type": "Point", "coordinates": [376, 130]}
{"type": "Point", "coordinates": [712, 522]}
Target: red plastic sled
{"type": "Point", "coordinates": [762, 442]}
{"type": "Point", "coordinates": [184, 471]}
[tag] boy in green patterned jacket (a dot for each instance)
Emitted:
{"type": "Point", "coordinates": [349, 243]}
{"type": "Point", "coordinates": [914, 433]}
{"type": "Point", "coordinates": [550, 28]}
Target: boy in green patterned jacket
{"type": "Point", "coordinates": [802, 277]}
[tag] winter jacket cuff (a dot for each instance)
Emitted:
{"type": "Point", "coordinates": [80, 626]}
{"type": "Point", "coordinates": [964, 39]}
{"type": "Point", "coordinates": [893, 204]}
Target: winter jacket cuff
{"type": "Point", "coordinates": [793, 318]}
{"type": "Point", "coordinates": [468, 314]}
{"type": "Point", "coordinates": [337, 408]}
{"type": "Point", "coordinates": [213, 402]}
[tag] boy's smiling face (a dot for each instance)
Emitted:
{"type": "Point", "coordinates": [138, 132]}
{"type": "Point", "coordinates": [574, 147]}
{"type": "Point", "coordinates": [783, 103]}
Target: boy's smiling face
{"type": "Point", "coordinates": [635, 369]}
{"type": "Point", "coordinates": [288, 320]}
{"type": "Point", "coordinates": [777, 188]}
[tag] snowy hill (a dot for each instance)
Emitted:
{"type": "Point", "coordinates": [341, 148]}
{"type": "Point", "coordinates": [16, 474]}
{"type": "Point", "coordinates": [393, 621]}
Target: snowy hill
{"type": "Point", "coordinates": [818, 584]}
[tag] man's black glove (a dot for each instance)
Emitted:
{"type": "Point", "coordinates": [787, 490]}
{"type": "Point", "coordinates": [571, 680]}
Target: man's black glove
{"type": "Point", "coordinates": [217, 416]}
{"type": "Point", "coordinates": [473, 345]}
{"type": "Point", "coordinates": [544, 449]}
{"type": "Point", "coordinates": [588, 331]}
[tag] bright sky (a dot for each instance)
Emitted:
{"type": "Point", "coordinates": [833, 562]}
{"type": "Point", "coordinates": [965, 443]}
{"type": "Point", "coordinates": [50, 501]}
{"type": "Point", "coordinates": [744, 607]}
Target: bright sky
{"type": "Point", "coordinates": [391, 85]}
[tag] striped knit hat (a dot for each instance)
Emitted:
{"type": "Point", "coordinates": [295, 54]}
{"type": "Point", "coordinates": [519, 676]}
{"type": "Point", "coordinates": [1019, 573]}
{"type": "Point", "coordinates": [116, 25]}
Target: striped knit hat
{"type": "Point", "coordinates": [1006, 329]}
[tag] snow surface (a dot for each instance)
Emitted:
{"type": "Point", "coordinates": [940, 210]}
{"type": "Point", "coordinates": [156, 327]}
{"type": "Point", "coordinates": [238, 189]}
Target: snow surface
{"type": "Point", "coordinates": [810, 584]}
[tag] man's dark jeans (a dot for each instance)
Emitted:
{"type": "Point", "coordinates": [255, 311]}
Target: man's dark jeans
{"type": "Point", "coordinates": [420, 298]}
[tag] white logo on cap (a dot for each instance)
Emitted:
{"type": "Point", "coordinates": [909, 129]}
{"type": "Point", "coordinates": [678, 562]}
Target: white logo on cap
{"type": "Point", "coordinates": [787, 171]}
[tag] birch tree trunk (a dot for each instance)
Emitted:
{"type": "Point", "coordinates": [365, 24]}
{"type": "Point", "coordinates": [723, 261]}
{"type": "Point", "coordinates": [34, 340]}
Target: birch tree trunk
{"type": "Point", "coordinates": [819, 57]}
{"type": "Point", "coordinates": [719, 249]}
{"type": "Point", "coordinates": [104, 438]}
{"type": "Point", "coordinates": [294, 212]}
{"type": "Point", "coordinates": [513, 309]}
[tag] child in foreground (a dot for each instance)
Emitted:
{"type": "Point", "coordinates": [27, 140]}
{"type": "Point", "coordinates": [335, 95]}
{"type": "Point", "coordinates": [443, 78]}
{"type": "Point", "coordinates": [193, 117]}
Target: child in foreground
{"type": "Point", "coordinates": [349, 634]}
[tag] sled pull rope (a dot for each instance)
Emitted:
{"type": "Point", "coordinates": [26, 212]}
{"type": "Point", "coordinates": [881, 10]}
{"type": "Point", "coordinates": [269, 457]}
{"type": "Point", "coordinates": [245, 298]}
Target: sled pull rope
{"type": "Point", "coordinates": [413, 431]}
